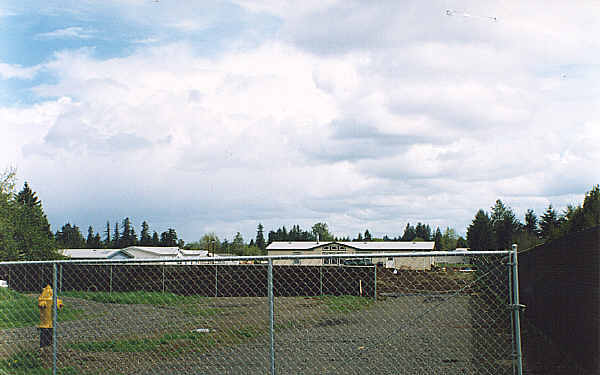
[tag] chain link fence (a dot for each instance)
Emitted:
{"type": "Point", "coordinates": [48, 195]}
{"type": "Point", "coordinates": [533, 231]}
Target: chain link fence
{"type": "Point", "coordinates": [205, 318]}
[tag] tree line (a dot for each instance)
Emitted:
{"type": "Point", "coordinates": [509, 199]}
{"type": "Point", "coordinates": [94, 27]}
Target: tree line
{"type": "Point", "coordinates": [70, 237]}
{"type": "Point", "coordinates": [25, 233]}
{"type": "Point", "coordinates": [500, 228]}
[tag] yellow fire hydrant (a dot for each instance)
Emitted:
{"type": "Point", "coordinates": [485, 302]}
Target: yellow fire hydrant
{"type": "Point", "coordinates": [45, 305]}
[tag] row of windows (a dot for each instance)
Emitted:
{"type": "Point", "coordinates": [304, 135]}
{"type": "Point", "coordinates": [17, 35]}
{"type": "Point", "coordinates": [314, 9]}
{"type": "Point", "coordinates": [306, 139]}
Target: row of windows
{"type": "Point", "coordinates": [334, 247]}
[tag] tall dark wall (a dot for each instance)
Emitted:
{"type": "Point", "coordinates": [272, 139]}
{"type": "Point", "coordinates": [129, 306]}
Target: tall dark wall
{"type": "Point", "coordinates": [559, 283]}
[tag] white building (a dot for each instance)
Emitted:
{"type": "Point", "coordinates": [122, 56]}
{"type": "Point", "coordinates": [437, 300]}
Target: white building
{"type": "Point", "coordinates": [344, 247]}
{"type": "Point", "coordinates": [93, 254]}
{"type": "Point", "coordinates": [136, 252]}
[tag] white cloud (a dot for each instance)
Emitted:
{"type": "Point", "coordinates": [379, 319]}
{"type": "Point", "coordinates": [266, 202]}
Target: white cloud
{"type": "Point", "coordinates": [73, 32]}
{"type": "Point", "coordinates": [392, 113]}
{"type": "Point", "coordinates": [17, 71]}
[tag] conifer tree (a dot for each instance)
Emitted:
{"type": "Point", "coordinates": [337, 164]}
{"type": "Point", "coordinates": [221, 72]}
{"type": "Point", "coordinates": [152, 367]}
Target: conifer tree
{"type": "Point", "coordinates": [479, 233]}
{"type": "Point", "coordinates": [260, 238]}
{"type": "Point", "coordinates": [549, 223]}
{"type": "Point", "coordinates": [438, 240]}
{"type": "Point", "coordinates": [155, 239]}
{"type": "Point", "coordinates": [116, 242]}
{"type": "Point", "coordinates": [145, 239]}
{"type": "Point", "coordinates": [107, 240]}
{"type": "Point", "coordinates": [28, 226]}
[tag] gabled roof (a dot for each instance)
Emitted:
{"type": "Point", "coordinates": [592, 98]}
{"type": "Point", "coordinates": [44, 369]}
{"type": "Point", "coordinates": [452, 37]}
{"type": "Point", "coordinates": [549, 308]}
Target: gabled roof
{"type": "Point", "coordinates": [92, 253]}
{"type": "Point", "coordinates": [295, 245]}
{"type": "Point", "coordinates": [390, 245]}
{"type": "Point", "coordinates": [359, 245]}
{"type": "Point", "coordinates": [194, 253]}
{"type": "Point", "coordinates": [155, 250]}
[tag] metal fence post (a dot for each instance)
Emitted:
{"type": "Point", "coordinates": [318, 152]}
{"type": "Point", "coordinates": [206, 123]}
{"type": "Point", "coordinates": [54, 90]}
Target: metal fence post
{"type": "Point", "coordinates": [216, 280]}
{"type": "Point", "coordinates": [512, 315]}
{"type": "Point", "coordinates": [271, 315]}
{"type": "Point", "coordinates": [375, 282]}
{"type": "Point", "coordinates": [321, 280]}
{"type": "Point", "coordinates": [60, 278]}
{"type": "Point", "coordinates": [517, 309]}
{"type": "Point", "coordinates": [54, 317]}
{"type": "Point", "coordinates": [163, 278]}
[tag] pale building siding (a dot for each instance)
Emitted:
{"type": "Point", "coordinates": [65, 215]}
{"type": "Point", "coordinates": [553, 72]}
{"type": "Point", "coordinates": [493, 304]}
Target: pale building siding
{"type": "Point", "coordinates": [306, 248]}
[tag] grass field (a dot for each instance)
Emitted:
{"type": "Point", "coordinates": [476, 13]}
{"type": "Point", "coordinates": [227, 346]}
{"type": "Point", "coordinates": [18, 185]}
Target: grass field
{"type": "Point", "coordinates": [21, 310]}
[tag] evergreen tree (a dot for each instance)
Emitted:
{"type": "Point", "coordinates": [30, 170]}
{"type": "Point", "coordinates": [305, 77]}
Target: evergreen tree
{"type": "Point", "coordinates": [168, 238]}
{"type": "Point", "coordinates": [116, 243]}
{"type": "Point", "coordinates": [591, 207]}
{"type": "Point", "coordinates": [128, 237]}
{"type": "Point", "coordinates": [531, 222]}
{"type": "Point", "coordinates": [505, 225]}
{"type": "Point", "coordinates": [97, 241]}
{"type": "Point", "coordinates": [237, 246]}
{"type": "Point", "coordinates": [260, 238]}
{"type": "Point", "coordinates": [574, 220]}
{"type": "Point", "coordinates": [549, 224]}
{"type": "Point", "coordinates": [89, 242]}
{"type": "Point", "coordinates": [27, 225]}
{"type": "Point", "coordinates": [368, 235]}
{"type": "Point", "coordinates": [409, 233]}
{"type": "Point", "coordinates": [27, 197]}
{"type": "Point", "coordinates": [145, 239]}
{"type": "Point", "coordinates": [461, 243]}
{"type": "Point", "coordinates": [438, 240]}
{"type": "Point", "coordinates": [107, 240]}
{"type": "Point", "coordinates": [423, 232]}
{"type": "Point", "coordinates": [155, 239]}
{"type": "Point", "coordinates": [479, 233]}
{"type": "Point", "coordinates": [70, 237]}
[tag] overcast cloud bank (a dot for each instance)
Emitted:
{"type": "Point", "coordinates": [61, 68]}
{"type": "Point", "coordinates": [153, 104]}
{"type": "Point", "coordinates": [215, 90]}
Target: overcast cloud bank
{"type": "Point", "coordinates": [359, 115]}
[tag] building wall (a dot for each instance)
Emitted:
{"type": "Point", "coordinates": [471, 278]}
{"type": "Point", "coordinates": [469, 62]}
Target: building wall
{"type": "Point", "coordinates": [458, 259]}
{"type": "Point", "coordinates": [419, 263]}
{"type": "Point", "coordinates": [413, 263]}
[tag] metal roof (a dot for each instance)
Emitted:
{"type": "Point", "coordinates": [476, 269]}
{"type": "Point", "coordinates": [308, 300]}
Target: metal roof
{"type": "Point", "coordinates": [295, 245]}
{"type": "Point", "coordinates": [360, 245]}
{"type": "Point", "coordinates": [155, 250]}
{"type": "Point", "coordinates": [91, 253]}
{"type": "Point", "coordinates": [194, 253]}
{"type": "Point", "coordinates": [390, 245]}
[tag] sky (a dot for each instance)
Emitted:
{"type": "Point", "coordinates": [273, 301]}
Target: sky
{"type": "Point", "coordinates": [213, 116]}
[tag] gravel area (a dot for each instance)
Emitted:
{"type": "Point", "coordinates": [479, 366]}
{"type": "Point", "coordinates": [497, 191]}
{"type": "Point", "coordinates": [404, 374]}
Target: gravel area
{"type": "Point", "coordinates": [408, 334]}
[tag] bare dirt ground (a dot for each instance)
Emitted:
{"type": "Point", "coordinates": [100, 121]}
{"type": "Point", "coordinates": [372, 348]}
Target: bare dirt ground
{"type": "Point", "coordinates": [421, 324]}
{"type": "Point", "coordinates": [407, 334]}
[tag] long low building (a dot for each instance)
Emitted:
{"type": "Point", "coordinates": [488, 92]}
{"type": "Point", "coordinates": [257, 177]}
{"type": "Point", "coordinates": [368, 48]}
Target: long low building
{"type": "Point", "coordinates": [136, 252]}
{"type": "Point", "coordinates": [344, 247]}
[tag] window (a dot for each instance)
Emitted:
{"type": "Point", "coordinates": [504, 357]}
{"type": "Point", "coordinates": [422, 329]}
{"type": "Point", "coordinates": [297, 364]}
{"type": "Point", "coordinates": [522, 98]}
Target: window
{"type": "Point", "coordinates": [296, 260]}
{"type": "Point", "coordinates": [325, 247]}
{"type": "Point", "coordinates": [333, 247]}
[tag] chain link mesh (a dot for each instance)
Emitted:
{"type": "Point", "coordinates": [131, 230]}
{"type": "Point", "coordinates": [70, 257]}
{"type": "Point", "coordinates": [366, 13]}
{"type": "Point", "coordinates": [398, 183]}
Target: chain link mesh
{"type": "Point", "coordinates": [204, 318]}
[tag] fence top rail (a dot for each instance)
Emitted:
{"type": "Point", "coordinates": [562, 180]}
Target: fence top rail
{"type": "Point", "coordinates": [264, 257]}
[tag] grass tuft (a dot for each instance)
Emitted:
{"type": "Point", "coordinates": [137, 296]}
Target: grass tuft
{"type": "Point", "coordinates": [29, 362]}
